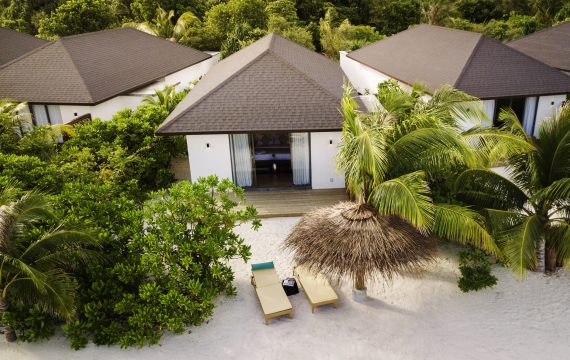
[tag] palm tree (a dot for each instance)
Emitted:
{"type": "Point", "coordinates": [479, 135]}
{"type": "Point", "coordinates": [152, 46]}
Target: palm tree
{"type": "Point", "coordinates": [529, 206]}
{"type": "Point", "coordinates": [34, 263]}
{"type": "Point", "coordinates": [165, 98]}
{"type": "Point", "coordinates": [18, 115]}
{"type": "Point", "coordinates": [389, 158]}
{"type": "Point", "coordinates": [164, 26]}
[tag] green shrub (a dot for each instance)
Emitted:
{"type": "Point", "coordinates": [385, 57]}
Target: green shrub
{"type": "Point", "coordinates": [30, 323]}
{"type": "Point", "coordinates": [475, 270]}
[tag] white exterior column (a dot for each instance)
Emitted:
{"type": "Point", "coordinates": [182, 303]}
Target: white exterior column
{"type": "Point", "coordinates": [209, 155]}
{"type": "Point", "coordinates": [324, 148]}
{"type": "Point", "coordinates": [546, 108]}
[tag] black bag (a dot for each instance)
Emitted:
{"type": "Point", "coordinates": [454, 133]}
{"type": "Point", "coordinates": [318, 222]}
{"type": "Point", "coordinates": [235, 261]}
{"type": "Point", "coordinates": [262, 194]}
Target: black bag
{"type": "Point", "coordinates": [290, 286]}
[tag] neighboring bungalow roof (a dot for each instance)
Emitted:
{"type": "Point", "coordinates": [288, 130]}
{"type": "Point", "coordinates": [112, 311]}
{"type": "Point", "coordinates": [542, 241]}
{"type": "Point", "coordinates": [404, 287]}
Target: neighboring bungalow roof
{"type": "Point", "coordinates": [93, 67]}
{"type": "Point", "coordinates": [15, 44]}
{"type": "Point", "coordinates": [272, 85]}
{"type": "Point", "coordinates": [468, 61]}
{"type": "Point", "coordinates": [551, 46]}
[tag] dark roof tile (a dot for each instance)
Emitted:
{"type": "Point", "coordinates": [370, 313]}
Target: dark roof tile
{"type": "Point", "coordinates": [14, 44]}
{"type": "Point", "coordinates": [469, 61]}
{"type": "Point", "coordinates": [551, 46]}
{"type": "Point", "coordinates": [273, 84]}
{"type": "Point", "coordinates": [93, 67]}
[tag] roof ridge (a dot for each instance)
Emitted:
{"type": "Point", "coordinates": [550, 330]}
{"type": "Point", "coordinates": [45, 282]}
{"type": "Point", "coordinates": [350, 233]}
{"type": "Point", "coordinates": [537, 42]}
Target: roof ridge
{"type": "Point", "coordinates": [310, 79]}
{"type": "Point", "coordinates": [77, 71]}
{"type": "Point", "coordinates": [469, 60]}
{"type": "Point", "coordinates": [167, 124]}
{"type": "Point", "coordinates": [87, 33]}
{"type": "Point", "coordinates": [27, 54]}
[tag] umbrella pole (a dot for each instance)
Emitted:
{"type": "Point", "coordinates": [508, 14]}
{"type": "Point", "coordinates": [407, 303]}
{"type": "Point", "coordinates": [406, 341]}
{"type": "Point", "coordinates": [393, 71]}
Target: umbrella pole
{"type": "Point", "coordinates": [359, 291]}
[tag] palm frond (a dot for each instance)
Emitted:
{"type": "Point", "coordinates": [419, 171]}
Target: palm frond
{"type": "Point", "coordinates": [486, 188]}
{"type": "Point", "coordinates": [520, 244]}
{"type": "Point", "coordinates": [554, 140]}
{"type": "Point", "coordinates": [461, 224]}
{"type": "Point", "coordinates": [407, 197]}
{"type": "Point", "coordinates": [431, 149]}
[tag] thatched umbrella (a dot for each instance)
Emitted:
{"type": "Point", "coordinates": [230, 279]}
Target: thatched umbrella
{"type": "Point", "coordinates": [351, 240]}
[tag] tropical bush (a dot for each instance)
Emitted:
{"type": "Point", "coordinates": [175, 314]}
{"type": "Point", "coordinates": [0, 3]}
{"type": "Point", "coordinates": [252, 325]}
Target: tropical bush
{"type": "Point", "coordinates": [475, 269]}
{"type": "Point", "coordinates": [170, 272]}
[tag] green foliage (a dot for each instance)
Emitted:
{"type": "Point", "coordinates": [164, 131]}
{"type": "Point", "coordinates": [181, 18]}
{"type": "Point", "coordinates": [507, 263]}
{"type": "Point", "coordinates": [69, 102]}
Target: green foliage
{"type": "Point", "coordinates": [38, 252]}
{"type": "Point", "coordinates": [392, 16]}
{"type": "Point", "coordinates": [76, 17]}
{"type": "Point", "coordinates": [528, 210]}
{"type": "Point", "coordinates": [125, 148]}
{"type": "Point", "coordinates": [29, 172]}
{"type": "Point", "coordinates": [242, 36]}
{"type": "Point", "coordinates": [514, 27]}
{"type": "Point", "coordinates": [171, 271]}
{"type": "Point", "coordinates": [563, 14]}
{"type": "Point", "coordinates": [30, 323]}
{"type": "Point", "coordinates": [478, 11]}
{"type": "Point", "coordinates": [475, 270]}
{"type": "Point", "coordinates": [223, 19]}
{"type": "Point", "coordinates": [344, 37]}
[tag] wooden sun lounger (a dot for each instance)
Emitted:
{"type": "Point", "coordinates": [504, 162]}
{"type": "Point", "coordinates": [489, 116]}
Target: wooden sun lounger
{"type": "Point", "coordinates": [316, 287]}
{"type": "Point", "coordinates": [272, 297]}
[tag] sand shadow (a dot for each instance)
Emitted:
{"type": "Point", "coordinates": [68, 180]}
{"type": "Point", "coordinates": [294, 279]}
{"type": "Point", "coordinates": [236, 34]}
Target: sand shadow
{"type": "Point", "coordinates": [381, 305]}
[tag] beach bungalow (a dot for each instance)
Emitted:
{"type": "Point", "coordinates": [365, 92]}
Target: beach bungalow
{"type": "Point", "coordinates": [94, 75]}
{"type": "Point", "coordinates": [551, 46]}
{"type": "Point", "coordinates": [498, 74]}
{"type": "Point", "coordinates": [14, 44]}
{"type": "Point", "coordinates": [266, 116]}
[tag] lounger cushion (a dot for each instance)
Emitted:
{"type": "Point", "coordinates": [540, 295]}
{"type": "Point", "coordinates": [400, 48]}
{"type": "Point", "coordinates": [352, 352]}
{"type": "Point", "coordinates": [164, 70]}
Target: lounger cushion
{"type": "Point", "coordinates": [273, 299]}
{"type": "Point", "coordinates": [316, 286]}
{"type": "Point", "coordinates": [265, 277]}
{"type": "Point", "coordinates": [262, 266]}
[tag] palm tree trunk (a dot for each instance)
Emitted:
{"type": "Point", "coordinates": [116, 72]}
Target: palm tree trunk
{"type": "Point", "coordinates": [359, 282]}
{"type": "Point", "coordinates": [551, 257]}
{"type": "Point", "coordinates": [540, 256]}
{"type": "Point", "coordinates": [8, 331]}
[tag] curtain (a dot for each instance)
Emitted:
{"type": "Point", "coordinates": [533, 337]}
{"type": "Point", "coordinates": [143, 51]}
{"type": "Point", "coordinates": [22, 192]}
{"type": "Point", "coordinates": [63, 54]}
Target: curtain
{"type": "Point", "coordinates": [242, 159]}
{"type": "Point", "coordinates": [528, 119]}
{"type": "Point", "coordinates": [40, 115]}
{"type": "Point", "coordinates": [54, 114]}
{"type": "Point", "coordinates": [300, 161]}
{"type": "Point", "coordinates": [489, 107]}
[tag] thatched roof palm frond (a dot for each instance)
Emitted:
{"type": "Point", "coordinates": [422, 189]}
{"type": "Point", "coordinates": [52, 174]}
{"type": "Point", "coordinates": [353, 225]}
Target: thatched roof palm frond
{"type": "Point", "coordinates": [351, 240]}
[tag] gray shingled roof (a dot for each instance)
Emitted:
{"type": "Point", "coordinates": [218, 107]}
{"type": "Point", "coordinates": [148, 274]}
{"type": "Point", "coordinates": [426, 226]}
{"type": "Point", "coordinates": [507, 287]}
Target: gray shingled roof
{"type": "Point", "coordinates": [469, 61]}
{"type": "Point", "coordinates": [551, 46]}
{"type": "Point", "coordinates": [14, 44]}
{"type": "Point", "coordinates": [93, 67]}
{"type": "Point", "coordinates": [272, 85]}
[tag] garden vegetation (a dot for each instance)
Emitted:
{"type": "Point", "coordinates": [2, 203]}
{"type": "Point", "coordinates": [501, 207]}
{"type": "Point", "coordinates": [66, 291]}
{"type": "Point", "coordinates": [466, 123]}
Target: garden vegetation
{"type": "Point", "coordinates": [94, 235]}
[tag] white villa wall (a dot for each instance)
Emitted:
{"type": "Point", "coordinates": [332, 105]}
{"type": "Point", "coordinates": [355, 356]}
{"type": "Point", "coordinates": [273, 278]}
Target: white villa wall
{"type": "Point", "coordinates": [107, 109]}
{"type": "Point", "coordinates": [323, 162]}
{"type": "Point", "coordinates": [214, 159]}
{"type": "Point", "coordinates": [547, 107]}
{"type": "Point", "coordinates": [363, 78]}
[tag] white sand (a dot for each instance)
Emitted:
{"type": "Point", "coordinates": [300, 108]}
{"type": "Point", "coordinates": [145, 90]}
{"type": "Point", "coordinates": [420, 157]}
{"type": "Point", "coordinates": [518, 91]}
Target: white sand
{"type": "Point", "coordinates": [426, 318]}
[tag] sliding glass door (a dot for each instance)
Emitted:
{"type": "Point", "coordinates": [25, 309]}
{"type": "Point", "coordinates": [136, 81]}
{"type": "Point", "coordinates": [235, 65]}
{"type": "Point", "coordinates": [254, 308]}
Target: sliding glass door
{"type": "Point", "coordinates": [271, 159]}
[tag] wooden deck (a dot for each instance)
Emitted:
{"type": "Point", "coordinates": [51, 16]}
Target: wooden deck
{"type": "Point", "coordinates": [275, 203]}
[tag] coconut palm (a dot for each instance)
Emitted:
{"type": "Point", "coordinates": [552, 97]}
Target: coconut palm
{"type": "Point", "coordinates": [391, 156]}
{"type": "Point", "coordinates": [34, 263]}
{"type": "Point", "coordinates": [529, 206]}
{"type": "Point", "coordinates": [165, 98]}
{"type": "Point", "coordinates": [164, 26]}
